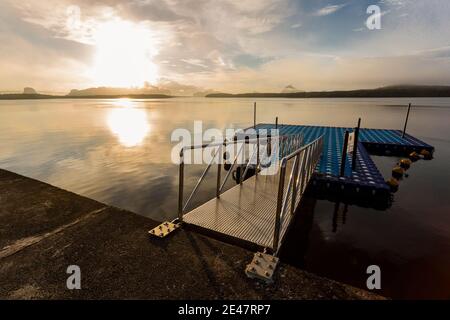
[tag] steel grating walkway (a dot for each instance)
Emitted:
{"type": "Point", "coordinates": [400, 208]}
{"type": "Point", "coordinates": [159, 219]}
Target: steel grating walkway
{"type": "Point", "coordinates": [246, 211]}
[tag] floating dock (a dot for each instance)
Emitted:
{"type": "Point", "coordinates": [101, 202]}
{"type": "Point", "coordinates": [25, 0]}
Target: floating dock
{"type": "Point", "coordinates": [251, 211]}
{"type": "Point", "coordinates": [366, 180]}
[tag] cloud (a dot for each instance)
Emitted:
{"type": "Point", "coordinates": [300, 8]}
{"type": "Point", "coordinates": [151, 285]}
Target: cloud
{"type": "Point", "coordinates": [330, 9]}
{"type": "Point", "coordinates": [230, 45]}
{"type": "Point", "coordinates": [195, 62]}
{"type": "Point", "coordinates": [441, 52]}
{"type": "Point", "coordinates": [331, 73]}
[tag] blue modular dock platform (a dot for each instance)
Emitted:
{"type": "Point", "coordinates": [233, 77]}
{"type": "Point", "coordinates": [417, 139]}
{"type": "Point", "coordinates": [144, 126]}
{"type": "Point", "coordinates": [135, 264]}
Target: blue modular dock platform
{"type": "Point", "coordinates": [365, 180]}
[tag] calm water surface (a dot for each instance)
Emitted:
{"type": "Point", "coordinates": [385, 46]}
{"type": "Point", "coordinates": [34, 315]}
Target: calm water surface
{"type": "Point", "coordinates": [119, 151]}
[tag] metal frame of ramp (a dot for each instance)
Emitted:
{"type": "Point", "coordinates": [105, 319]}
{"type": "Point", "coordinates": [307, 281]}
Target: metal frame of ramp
{"type": "Point", "coordinates": [259, 209]}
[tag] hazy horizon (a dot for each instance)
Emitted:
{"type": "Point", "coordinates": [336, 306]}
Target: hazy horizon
{"type": "Point", "coordinates": [228, 46]}
{"type": "Point", "coordinates": [111, 91]}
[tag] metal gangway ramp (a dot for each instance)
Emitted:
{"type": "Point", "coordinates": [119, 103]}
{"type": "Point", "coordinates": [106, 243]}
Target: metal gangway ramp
{"type": "Point", "coordinates": [259, 209]}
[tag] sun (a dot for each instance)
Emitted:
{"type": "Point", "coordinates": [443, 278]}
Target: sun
{"type": "Point", "coordinates": [124, 55]}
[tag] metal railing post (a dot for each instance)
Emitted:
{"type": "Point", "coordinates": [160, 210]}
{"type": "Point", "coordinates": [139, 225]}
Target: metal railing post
{"type": "Point", "coordinates": [344, 155]}
{"type": "Point", "coordinates": [313, 157]}
{"type": "Point", "coordinates": [302, 172]}
{"type": "Point", "coordinates": [406, 121]}
{"type": "Point", "coordinates": [276, 235]}
{"type": "Point", "coordinates": [269, 145]}
{"type": "Point", "coordinates": [181, 186]}
{"type": "Point", "coordinates": [219, 171]}
{"type": "Point", "coordinates": [308, 163]}
{"type": "Point", "coordinates": [254, 115]}
{"type": "Point", "coordinates": [355, 145]}
{"type": "Point", "coordinates": [295, 182]}
{"type": "Point", "coordinates": [241, 168]}
{"type": "Point", "coordinates": [257, 154]}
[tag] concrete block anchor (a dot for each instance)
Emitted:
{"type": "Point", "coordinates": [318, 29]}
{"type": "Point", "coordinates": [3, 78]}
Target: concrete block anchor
{"type": "Point", "coordinates": [164, 229]}
{"type": "Point", "coordinates": [262, 267]}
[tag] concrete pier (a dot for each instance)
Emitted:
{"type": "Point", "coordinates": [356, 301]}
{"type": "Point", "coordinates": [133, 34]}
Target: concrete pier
{"type": "Point", "coordinates": [44, 229]}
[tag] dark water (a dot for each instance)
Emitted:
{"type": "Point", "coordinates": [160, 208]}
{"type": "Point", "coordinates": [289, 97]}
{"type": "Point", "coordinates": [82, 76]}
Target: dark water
{"type": "Point", "coordinates": [119, 152]}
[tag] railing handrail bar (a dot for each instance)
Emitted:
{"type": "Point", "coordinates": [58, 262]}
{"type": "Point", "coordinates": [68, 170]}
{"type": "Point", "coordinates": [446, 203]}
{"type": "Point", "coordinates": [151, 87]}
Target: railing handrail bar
{"type": "Point", "coordinates": [288, 191]}
{"type": "Point", "coordinates": [312, 150]}
{"type": "Point", "coordinates": [216, 144]}
{"type": "Point", "coordinates": [200, 179]}
{"type": "Point", "coordinates": [229, 142]}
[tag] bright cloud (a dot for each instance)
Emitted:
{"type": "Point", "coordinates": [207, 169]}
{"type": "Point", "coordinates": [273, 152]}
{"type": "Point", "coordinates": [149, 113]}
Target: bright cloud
{"type": "Point", "coordinates": [330, 9]}
{"type": "Point", "coordinates": [247, 45]}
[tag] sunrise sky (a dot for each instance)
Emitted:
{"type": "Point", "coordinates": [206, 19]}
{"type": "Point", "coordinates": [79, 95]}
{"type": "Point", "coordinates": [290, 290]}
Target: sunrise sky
{"type": "Point", "coordinates": [227, 45]}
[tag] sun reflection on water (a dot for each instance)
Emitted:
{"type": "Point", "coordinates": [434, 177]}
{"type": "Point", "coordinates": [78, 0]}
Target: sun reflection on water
{"type": "Point", "coordinates": [129, 124]}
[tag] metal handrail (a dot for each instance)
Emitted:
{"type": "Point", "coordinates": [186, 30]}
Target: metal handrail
{"type": "Point", "coordinates": [294, 141]}
{"type": "Point", "coordinates": [306, 160]}
{"type": "Point", "coordinates": [309, 156]}
{"type": "Point", "coordinates": [293, 154]}
{"type": "Point", "coordinates": [216, 144]}
{"type": "Point", "coordinates": [201, 178]}
{"type": "Point", "coordinates": [220, 184]}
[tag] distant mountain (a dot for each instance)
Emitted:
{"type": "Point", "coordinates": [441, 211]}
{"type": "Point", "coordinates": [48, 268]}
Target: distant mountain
{"type": "Point", "coordinates": [411, 87]}
{"type": "Point", "coordinates": [204, 93]}
{"type": "Point", "coordinates": [229, 95]}
{"type": "Point", "coordinates": [384, 92]}
{"type": "Point", "coordinates": [22, 96]}
{"type": "Point", "coordinates": [290, 89]}
{"type": "Point", "coordinates": [29, 90]}
{"type": "Point", "coordinates": [178, 89]}
{"type": "Point", "coordinates": [164, 86]}
{"type": "Point", "coordinates": [106, 91]}
{"type": "Point", "coordinates": [93, 93]}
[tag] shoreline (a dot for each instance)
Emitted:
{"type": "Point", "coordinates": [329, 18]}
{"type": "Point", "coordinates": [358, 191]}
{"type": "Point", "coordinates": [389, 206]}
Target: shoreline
{"type": "Point", "coordinates": [51, 97]}
{"type": "Point", "coordinates": [407, 91]}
